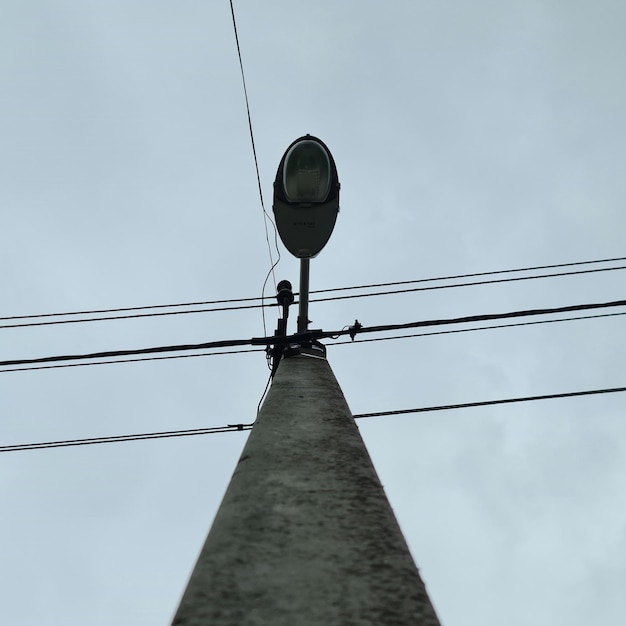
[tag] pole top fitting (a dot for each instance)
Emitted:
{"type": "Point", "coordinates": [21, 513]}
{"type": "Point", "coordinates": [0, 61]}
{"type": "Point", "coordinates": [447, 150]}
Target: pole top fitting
{"type": "Point", "coordinates": [284, 295]}
{"type": "Point", "coordinates": [353, 330]}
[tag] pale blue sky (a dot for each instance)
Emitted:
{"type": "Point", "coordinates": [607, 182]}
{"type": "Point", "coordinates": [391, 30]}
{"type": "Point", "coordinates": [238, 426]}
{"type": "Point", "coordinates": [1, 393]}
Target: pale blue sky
{"type": "Point", "coordinates": [468, 138]}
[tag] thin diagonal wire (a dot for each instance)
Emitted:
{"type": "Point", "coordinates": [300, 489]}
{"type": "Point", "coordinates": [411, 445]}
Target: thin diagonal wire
{"type": "Point", "coordinates": [314, 334]}
{"type": "Point", "coordinates": [390, 284]}
{"type": "Point", "coordinates": [467, 405]}
{"type": "Point", "coordinates": [267, 386]}
{"type": "Point", "coordinates": [128, 308]}
{"type": "Point", "coordinates": [135, 316]}
{"type": "Point", "coordinates": [353, 331]}
{"type": "Point", "coordinates": [333, 298]}
{"type": "Point", "coordinates": [266, 217]}
{"type": "Point", "coordinates": [472, 275]}
{"type": "Point", "coordinates": [240, 427]}
{"type": "Point", "coordinates": [66, 443]}
{"type": "Point", "coordinates": [471, 330]}
{"type": "Point", "coordinates": [330, 299]}
{"type": "Point", "coordinates": [468, 284]}
{"type": "Point", "coordinates": [151, 358]}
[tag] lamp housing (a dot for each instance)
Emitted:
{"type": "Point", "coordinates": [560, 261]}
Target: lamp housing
{"type": "Point", "coordinates": [306, 197]}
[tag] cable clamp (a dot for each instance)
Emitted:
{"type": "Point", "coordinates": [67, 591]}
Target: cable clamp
{"type": "Point", "coordinates": [355, 329]}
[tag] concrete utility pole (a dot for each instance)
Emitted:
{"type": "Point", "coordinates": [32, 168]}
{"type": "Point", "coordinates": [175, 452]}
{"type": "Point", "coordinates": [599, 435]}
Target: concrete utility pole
{"type": "Point", "coordinates": [305, 534]}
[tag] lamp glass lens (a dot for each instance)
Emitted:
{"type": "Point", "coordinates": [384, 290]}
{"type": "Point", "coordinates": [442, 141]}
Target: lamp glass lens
{"type": "Point", "coordinates": [306, 174]}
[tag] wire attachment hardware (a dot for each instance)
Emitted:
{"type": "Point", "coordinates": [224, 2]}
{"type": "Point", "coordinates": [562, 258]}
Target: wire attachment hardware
{"type": "Point", "coordinates": [284, 298]}
{"type": "Point", "coordinates": [353, 330]}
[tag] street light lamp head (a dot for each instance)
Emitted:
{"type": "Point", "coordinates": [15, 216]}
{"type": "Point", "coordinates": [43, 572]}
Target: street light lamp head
{"type": "Point", "coordinates": [306, 197]}
{"type": "Point", "coordinates": [306, 172]}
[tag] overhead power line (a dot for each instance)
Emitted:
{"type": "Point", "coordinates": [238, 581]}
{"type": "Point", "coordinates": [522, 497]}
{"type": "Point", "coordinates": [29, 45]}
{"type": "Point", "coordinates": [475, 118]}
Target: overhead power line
{"type": "Point", "coordinates": [468, 284]}
{"type": "Point", "coordinates": [475, 329]}
{"type": "Point", "coordinates": [228, 343]}
{"type": "Point", "coordinates": [468, 405]}
{"type": "Point", "coordinates": [473, 318]}
{"type": "Point", "coordinates": [332, 343]}
{"type": "Point", "coordinates": [475, 274]}
{"type": "Point", "coordinates": [130, 308]}
{"type": "Point", "coordinates": [139, 360]}
{"type": "Point", "coordinates": [67, 443]}
{"type": "Point", "coordinates": [307, 336]}
{"type": "Point", "coordinates": [19, 321]}
{"type": "Point", "coordinates": [266, 216]}
{"type": "Point", "coordinates": [64, 443]}
{"type": "Point", "coordinates": [129, 316]}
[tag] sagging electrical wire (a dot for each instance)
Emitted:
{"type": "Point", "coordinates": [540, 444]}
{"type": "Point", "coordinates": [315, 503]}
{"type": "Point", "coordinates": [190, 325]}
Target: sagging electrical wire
{"type": "Point", "coordinates": [64, 443]}
{"type": "Point", "coordinates": [468, 284]}
{"type": "Point", "coordinates": [332, 343]}
{"type": "Point", "coordinates": [140, 360]}
{"type": "Point", "coordinates": [476, 274]}
{"type": "Point", "coordinates": [266, 216]}
{"type": "Point", "coordinates": [127, 317]}
{"type": "Point", "coordinates": [262, 299]}
{"type": "Point", "coordinates": [308, 336]}
{"type": "Point", "coordinates": [471, 330]}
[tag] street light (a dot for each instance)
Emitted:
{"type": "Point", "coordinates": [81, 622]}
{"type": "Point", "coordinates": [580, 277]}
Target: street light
{"type": "Point", "coordinates": [306, 203]}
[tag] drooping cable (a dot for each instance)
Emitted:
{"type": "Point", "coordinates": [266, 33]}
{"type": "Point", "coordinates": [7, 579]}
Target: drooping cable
{"type": "Point", "coordinates": [267, 386]}
{"type": "Point", "coordinates": [471, 330]}
{"type": "Point", "coordinates": [468, 284]}
{"type": "Point", "coordinates": [64, 443]}
{"type": "Point", "coordinates": [15, 318]}
{"type": "Point", "coordinates": [266, 216]}
{"type": "Point", "coordinates": [475, 274]}
{"type": "Point", "coordinates": [468, 405]}
{"type": "Point", "coordinates": [109, 354]}
{"type": "Point", "coordinates": [310, 335]}
{"type": "Point", "coordinates": [332, 343]}
{"type": "Point", "coordinates": [133, 316]}
{"type": "Point", "coordinates": [128, 308]}
{"type": "Point", "coordinates": [140, 360]}
{"type": "Point", "coordinates": [353, 331]}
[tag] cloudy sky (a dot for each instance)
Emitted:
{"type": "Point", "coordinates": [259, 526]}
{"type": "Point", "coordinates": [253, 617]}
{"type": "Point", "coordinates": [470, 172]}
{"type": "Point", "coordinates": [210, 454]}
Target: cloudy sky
{"type": "Point", "coordinates": [469, 137]}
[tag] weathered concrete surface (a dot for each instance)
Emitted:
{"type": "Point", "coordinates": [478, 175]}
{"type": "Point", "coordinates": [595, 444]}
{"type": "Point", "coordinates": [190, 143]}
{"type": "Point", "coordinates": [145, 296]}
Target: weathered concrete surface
{"type": "Point", "coordinates": [305, 534]}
